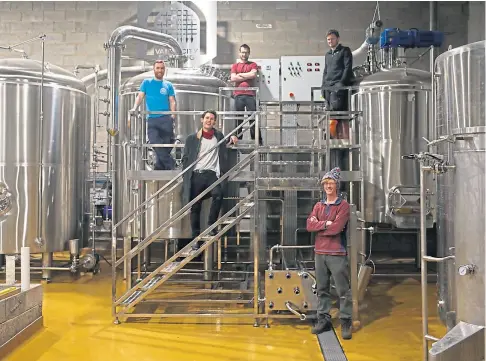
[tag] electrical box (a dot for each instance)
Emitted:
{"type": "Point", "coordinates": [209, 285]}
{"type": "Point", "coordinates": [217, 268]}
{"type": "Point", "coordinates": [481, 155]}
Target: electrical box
{"type": "Point", "coordinates": [268, 80]}
{"type": "Point", "coordinates": [299, 74]}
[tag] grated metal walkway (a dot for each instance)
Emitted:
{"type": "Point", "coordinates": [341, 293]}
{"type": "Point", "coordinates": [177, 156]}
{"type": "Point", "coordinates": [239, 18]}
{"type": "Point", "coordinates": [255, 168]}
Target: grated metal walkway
{"type": "Point", "coordinates": [331, 347]}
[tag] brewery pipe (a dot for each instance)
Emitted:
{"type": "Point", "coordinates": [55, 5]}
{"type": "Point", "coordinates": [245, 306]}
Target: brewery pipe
{"type": "Point", "coordinates": [114, 47]}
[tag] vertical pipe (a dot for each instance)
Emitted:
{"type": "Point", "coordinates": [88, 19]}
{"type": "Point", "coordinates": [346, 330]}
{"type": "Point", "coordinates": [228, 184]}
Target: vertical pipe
{"type": "Point", "coordinates": [432, 26]}
{"type": "Point", "coordinates": [353, 260]}
{"type": "Point", "coordinates": [112, 55]}
{"type": "Point", "coordinates": [95, 121]}
{"type": "Point", "coordinates": [423, 271]}
{"type": "Point", "coordinates": [41, 158]}
{"type": "Point", "coordinates": [24, 269]}
{"type": "Point", "coordinates": [256, 236]}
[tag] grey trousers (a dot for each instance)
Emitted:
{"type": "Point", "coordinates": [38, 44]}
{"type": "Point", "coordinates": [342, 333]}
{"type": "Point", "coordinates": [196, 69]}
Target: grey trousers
{"type": "Point", "coordinates": [338, 267]}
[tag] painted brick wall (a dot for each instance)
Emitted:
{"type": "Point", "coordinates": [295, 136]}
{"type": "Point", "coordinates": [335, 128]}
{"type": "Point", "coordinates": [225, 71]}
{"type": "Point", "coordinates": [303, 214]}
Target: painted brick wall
{"type": "Point", "coordinates": [77, 30]}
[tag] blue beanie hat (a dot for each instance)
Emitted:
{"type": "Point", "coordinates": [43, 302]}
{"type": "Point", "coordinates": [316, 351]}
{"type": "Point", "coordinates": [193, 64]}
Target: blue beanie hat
{"type": "Point", "coordinates": [334, 174]}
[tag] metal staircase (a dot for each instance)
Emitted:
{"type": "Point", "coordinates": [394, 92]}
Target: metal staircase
{"type": "Point", "coordinates": [123, 305]}
{"type": "Point", "coordinates": [165, 271]}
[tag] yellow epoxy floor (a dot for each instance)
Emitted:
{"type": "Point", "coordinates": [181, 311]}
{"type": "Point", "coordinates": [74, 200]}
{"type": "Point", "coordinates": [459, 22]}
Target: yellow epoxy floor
{"type": "Point", "coordinates": [78, 326]}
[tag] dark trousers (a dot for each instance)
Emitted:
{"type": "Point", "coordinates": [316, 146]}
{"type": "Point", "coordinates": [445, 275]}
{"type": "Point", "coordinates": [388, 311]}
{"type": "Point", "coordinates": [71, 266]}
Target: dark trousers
{"type": "Point", "coordinates": [200, 181]}
{"type": "Point", "coordinates": [248, 102]}
{"type": "Point", "coordinates": [336, 100]}
{"type": "Point", "coordinates": [338, 268]}
{"type": "Point", "coordinates": [160, 130]}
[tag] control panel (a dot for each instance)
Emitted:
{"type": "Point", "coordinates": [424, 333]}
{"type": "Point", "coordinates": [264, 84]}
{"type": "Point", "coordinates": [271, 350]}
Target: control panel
{"type": "Point", "coordinates": [268, 80]}
{"type": "Point", "coordinates": [299, 75]}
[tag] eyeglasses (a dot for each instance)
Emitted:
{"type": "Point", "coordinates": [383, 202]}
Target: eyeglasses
{"type": "Point", "coordinates": [329, 183]}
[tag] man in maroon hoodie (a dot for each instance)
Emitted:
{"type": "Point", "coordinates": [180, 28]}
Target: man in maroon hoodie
{"type": "Point", "coordinates": [329, 219]}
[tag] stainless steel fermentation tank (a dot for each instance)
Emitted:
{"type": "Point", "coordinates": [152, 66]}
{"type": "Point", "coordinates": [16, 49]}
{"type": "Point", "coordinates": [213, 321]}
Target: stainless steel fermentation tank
{"type": "Point", "coordinates": [43, 215]}
{"type": "Point", "coordinates": [460, 112]}
{"type": "Point", "coordinates": [194, 91]}
{"type": "Point", "coordinates": [395, 106]}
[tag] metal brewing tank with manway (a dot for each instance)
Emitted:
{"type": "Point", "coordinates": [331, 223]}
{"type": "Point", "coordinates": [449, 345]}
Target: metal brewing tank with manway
{"type": "Point", "coordinates": [195, 91]}
{"type": "Point", "coordinates": [61, 159]}
{"type": "Point", "coordinates": [395, 107]}
{"type": "Point", "coordinates": [460, 112]}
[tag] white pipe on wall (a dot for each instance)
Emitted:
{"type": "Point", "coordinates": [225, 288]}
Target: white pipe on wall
{"type": "Point", "coordinates": [210, 12]}
{"type": "Point", "coordinates": [361, 50]}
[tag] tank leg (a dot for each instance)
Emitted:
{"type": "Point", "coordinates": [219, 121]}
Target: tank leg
{"type": "Point", "coordinates": [146, 258]}
{"type": "Point", "coordinates": [117, 321]}
{"type": "Point", "coordinates": [256, 324]}
{"type": "Point", "coordinates": [46, 262]}
{"type": "Point", "coordinates": [208, 263]}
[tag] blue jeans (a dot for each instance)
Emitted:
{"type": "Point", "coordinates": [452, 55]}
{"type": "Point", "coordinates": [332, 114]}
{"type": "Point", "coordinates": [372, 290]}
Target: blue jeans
{"type": "Point", "coordinates": [160, 130]}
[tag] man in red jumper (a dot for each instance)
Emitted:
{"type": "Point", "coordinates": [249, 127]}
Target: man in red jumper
{"type": "Point", "coordinates": [243, 74]}
{"type": "Point", "coordinates": [329, 219]}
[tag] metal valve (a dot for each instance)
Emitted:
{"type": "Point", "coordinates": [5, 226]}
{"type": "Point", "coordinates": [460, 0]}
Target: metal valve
{"type": "Point", "coordinates": [279, 290]}
{"type": "Point", "coordinates": [270, 305]}
{"type": "Point", "coordinates": [466, 269]}
{"type": "Point", "coordinates": [296, 290]}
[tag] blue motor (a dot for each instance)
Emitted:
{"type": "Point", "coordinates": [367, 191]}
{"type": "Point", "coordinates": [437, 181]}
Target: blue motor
{"type": "Point", "coordinates": [413, 38]}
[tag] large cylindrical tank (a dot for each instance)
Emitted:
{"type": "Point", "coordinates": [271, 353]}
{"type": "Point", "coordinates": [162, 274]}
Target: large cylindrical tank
{"type": "Point", "coordinates": [395, 116]}
{"type": "Point", "coordinates": [194, 91]}
{"type": "Point", "coordinates": [47, 177]}
{"type": "Point", "coordinates": [460, 111]}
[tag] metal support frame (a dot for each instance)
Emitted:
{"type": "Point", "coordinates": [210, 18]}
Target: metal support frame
{"type": "Point", "coordinates": [136, 292]}
{"type": "Point", "coordinates": [429, 163]}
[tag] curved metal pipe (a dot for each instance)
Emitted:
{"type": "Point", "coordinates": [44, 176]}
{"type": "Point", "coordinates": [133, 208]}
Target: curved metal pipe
{"type": "Point", "coordinates": [363, 47]}
{"type": "Point", "coordinates": [114, 46]}
{"type": "Point", "coordinates": [127, 71]}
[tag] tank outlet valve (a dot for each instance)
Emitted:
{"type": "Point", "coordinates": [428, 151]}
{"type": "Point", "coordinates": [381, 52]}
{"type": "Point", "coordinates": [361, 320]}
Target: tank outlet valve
{"type": "Point", "coordinates": [305, 305]}
{"type": "Point", "coordinates": [467, 269]}
{"type": "Point", "coordinates": [270, 305]}
{"type": "Point", "coordinates": [288, 275]}
{"type": "Point", "coordinates": [5, 199]}
{"type": "Point", "coordinates": [39, 242]}
{"type": "Point", "coordinates": [279, 290]}
{"type": "Point", "coordinates": [270, 275]}
{"type": "Point", "coordinates": [297, 290]}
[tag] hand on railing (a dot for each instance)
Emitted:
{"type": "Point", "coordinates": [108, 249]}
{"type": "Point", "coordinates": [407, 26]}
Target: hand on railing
{"type": "Point", "coordinates": [233, 140]}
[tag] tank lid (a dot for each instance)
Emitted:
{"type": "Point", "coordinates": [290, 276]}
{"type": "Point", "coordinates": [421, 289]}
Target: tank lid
{"type": "Point", "coordinates": [398, 77]}
{"type": "Point", "coordinates": [32, 70]}
{"type": "Point", "coordinates": [479, 45]}
{"type": "Point", "coordinates": [180, 78]}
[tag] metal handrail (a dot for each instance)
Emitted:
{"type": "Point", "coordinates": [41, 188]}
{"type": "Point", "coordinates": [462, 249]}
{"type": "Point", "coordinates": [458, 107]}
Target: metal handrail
{"type": "Point", "coordinates": [147, 241]}
{"type": "Point", "coordinates": [154, 273]}
{"type": "Point", "coordinates": [141, 206]}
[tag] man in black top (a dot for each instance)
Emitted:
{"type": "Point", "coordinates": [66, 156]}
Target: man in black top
{"type": "Point", "coordinates": [338, 73]}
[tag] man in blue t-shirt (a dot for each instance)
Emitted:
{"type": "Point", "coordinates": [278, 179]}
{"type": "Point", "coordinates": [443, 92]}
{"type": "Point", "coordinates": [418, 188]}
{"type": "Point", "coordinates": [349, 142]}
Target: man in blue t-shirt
{"type": "Point", "coordinates": [159, 97]}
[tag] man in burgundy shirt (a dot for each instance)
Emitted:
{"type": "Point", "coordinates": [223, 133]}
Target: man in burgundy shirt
{"type": "Point", "coordinates": [329, 219]}
{"type": "Point", "coordinates": [243, 74]}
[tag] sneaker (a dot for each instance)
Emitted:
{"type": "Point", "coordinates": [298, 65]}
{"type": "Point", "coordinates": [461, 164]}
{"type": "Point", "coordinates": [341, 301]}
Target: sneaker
{"type": "Point", "coordinates": [346, 329]}
{"type": "Point", "coordinates": [323, 324]}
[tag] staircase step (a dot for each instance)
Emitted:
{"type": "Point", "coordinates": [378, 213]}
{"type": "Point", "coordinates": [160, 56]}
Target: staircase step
{"type": "Point", "coordinates": [170, 267]}
{"type": "Point", "coordinates": [188, 253]}
{"type": "Point", "coordinates": [152, 282]}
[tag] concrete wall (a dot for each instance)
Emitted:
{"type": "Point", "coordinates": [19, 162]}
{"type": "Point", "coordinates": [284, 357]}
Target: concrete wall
{"type": "Point", "coordinates": [77, 30]}
{"type": "Point", "coordinates": [476, 31]}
